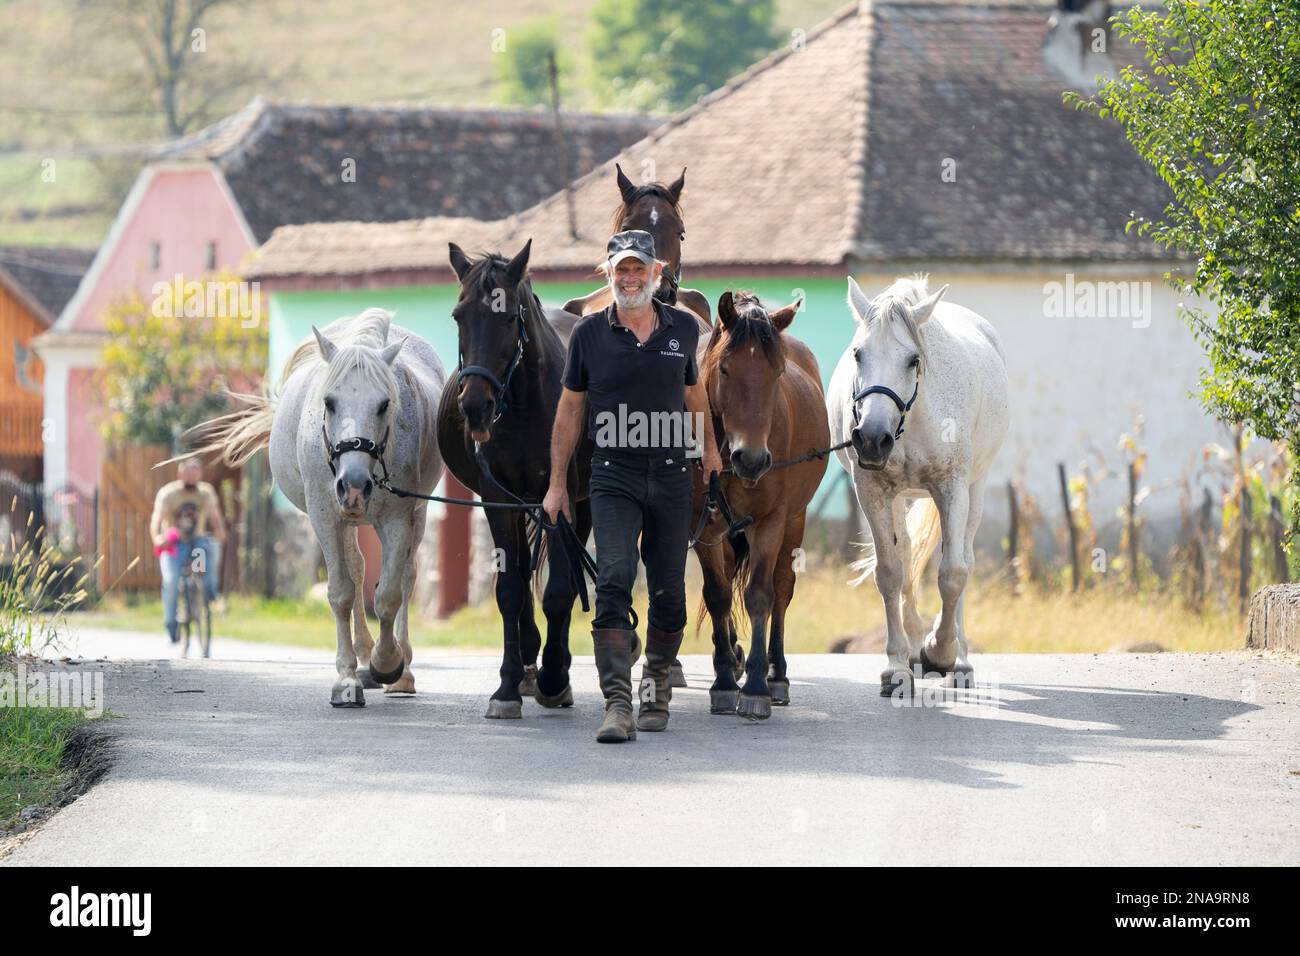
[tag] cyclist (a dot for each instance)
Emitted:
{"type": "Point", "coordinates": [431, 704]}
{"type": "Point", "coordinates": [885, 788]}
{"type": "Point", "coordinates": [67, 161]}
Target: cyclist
{"type": "Point", "coordinates": [186, 509]}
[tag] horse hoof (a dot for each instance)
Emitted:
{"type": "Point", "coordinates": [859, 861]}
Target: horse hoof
{"type": "Point", "coordinates": [368, 682]}
{"type": "Point", "coordinates": [505, 709]}
{"type": "Point", "coordinates": [929, 668]}
{"type": "Point", "coordinates": [349, 695]}
{"type": "Point", "coordinates": [563, 699]}
{"type": "Point", "coordinates": [528, 686]}
{"type": "Point", "coordinates": [723, 701]}
{"type": "Point", "coordinates": [780, 691]}
{"type": "Point", "coordinates": [676, 676]}
{"type": "Point", "coordinates": [898, 682]}
{"type": "Point", "coordinates": [755, 706]}
{"type": "Point", "coordinates": [386, 677]}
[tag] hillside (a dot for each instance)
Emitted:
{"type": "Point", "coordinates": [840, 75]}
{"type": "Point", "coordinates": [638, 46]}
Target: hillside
{"type": "Point", "coordinates": [73, 121]}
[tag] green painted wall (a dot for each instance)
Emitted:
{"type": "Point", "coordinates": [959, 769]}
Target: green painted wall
{"type": "Point", "coordinates": [825, 325]}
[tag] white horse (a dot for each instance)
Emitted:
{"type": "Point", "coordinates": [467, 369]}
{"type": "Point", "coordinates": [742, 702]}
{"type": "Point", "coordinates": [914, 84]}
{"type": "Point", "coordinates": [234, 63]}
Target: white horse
{"type": "Point", "coordinates": [348, 405]}
{"type": "Point", "coordinates": [940, 367]}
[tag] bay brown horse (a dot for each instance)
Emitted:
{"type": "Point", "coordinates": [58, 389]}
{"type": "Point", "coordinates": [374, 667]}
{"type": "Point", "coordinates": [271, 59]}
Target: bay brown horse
{"type": "Point", "coordinates": [655, 208]}
{"type": "Point", "coordinates": [765, 395]}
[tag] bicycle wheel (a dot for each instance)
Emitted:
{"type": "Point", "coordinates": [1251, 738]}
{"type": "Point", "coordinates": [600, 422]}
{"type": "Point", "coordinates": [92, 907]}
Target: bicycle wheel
{"type": "Point", "coordinates": [204, 620]}
{"type": "Point", "coordinates": [186, 621]}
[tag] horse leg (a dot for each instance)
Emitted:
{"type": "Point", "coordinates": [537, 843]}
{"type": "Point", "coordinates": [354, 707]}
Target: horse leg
{"type": "Point", "coordinates": [506, 702]}
{"type": "Point", "coordinates": [530, 638]}
{"type": "Point", "coordinates": [362, 642]}
{"type": "Point", "coordinates": [963, 674]}
{"type": "Point", "coordinates": [724, 692]}
{"type": "Point", "coordinates": [733, 639]}
{"type": "Point", "coordinates": [397, 537]}
{"type": "Point", "coordinates": [783, 578]}
{"type": "Point", "coordinates": [406, 683]}
{"type": "Point", "coordinates": [940, 650]}
{"type": "Point", "coordinates": [343, 593]}
{"type": "Point", "coordinates": [755, 697]}
{"type": "Point", "coordinates": [913, 624]}
{"type": "Point", "coordinates": [889, 581]}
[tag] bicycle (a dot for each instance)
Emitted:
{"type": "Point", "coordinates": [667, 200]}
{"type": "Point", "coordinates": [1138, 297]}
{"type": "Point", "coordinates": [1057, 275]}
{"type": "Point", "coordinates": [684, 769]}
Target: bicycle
{"type": "Point", "coordinates": [193, 613]}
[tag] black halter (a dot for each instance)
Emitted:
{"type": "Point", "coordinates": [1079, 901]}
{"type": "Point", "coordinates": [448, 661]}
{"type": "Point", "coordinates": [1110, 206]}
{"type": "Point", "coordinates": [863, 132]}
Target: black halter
{"type": "Point", "coordinates": [903, 407]}
{"type": "Point", "coordinates": [668, 286]}
{"type": "Point", "coordinates": [500, 386]}
{"type": "Point", "coordinates": [374, 449]}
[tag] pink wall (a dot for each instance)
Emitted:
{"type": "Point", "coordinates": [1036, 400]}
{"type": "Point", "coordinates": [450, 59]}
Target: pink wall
{"type": "Point", "coordinates": [85, 446]}
{"type": "Point", "coordinates": [183, 210]}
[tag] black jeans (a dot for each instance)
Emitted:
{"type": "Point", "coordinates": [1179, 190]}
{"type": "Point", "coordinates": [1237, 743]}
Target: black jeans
{"type": "Point", "coordinates": [647, 496]}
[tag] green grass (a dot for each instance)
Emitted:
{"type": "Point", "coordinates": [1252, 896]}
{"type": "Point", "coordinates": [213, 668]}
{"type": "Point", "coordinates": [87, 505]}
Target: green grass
{"type": "Point", "coordinates": [33, 743]}
{"type": "Point", "coordinates": [825, 608]}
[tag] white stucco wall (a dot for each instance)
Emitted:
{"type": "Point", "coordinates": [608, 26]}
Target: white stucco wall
{"type": "Point", "coordinates": [1078, 380]}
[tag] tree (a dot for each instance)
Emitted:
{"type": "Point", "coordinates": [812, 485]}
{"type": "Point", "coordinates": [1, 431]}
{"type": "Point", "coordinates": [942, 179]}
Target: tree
{"type": "Point", "coordinates": [172, 65]}
{"type": "Point", "coordinates": [665, 54]}
{"type": "Point", "coordinates": [1217, 114]}
{"type": "Point", "coordinates": [169, 363]}
{"type": "Point", "coordinates": [523, 70]}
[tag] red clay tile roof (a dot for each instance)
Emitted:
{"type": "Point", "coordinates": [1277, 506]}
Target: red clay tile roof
{"type": "Point", "coordinates": [284, 162]}
{"type": "Point", "coordinates": [833, 153]}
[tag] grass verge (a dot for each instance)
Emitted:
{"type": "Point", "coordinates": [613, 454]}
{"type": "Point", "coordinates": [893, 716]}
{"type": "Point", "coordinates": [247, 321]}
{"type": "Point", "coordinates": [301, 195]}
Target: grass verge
{"type": "Point", "coordinates": [47, 757]}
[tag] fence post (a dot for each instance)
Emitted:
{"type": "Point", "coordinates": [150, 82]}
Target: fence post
{"type": "Point", "coordinates": [1069, 523]}
{"type": "Point", "coordinates": [1277, 527]}
{"type": "Point", "coordinates": [1132, 526]}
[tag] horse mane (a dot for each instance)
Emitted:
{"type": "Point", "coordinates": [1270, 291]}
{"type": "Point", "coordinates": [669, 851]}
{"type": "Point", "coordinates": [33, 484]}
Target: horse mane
{"type": "Point", "coordinates": [752, 325]}
{"type": "Point", "coordinates": [359, 340]}
{"type": "Point", "coordinates": [894, 307]}
{"type": "Point", "coordinates": [646, 189]}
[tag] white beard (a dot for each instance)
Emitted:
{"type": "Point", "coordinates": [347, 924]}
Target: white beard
{"type": "Point", "coordinates": [638, 301]}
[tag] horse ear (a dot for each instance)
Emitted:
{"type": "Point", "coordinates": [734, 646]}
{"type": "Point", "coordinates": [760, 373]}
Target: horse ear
{"type": "Point", "coordinates": [858, 301]}
{"type": "Point", "coordinates": [327, 348]}
{"type": "Point", "coordinates": [459, 261]}
{"type": "Point", "coordinates": [726, 310]}
{"type": "Point", "coordinates": [625, 187]}
{"type": "Point", "coordinates": [925, 308]}
{"type": "Point", "coordinates": [390, 351]}
{"type": "Point", "coordinates": [519, 264]}
{"type": "Point", "coordinates": [676, 187]}
{"type": "Point", "coordinates": [782, 318]}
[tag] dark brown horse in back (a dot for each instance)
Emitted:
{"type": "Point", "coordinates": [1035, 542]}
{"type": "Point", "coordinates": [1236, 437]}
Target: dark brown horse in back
{"type": "Point", "coordinates": [655, 208]}
{"type": "Point", "coordinates": [765, 394]}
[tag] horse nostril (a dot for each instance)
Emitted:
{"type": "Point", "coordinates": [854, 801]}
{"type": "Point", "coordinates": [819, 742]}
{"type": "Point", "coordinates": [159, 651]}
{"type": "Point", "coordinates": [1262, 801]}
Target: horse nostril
{"type": "Point", "coordinates": [886, 444]}
{"type": "Point", "coordinates": [368, 487]}
{"type": "Point", "coordinates": [339, 488]}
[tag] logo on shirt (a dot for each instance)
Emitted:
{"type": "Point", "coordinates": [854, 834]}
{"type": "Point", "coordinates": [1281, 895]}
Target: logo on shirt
{"type": "Point", "coordinates": [674, 344]}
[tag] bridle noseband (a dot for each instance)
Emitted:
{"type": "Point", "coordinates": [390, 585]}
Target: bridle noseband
{"type": "Point", "coordinates": [500, 386]}
{"type": "Point", "coordinates": [903, 407]}
{"type": "Point", "coordinates": [374, 449]}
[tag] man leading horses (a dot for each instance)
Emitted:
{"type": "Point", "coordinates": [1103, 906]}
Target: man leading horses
{"type": "Point", "coordinates": [631, 380]}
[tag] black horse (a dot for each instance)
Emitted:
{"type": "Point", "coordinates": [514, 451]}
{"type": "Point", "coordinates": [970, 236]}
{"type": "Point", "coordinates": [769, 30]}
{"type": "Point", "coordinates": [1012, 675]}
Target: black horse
{"type": "Point", "coordinates": [498, 411]}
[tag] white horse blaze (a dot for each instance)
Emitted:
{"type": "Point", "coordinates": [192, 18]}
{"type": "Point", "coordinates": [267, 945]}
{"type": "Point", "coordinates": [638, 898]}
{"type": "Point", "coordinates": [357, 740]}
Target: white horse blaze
{"type": "Point", "coordinates": [941, 461]}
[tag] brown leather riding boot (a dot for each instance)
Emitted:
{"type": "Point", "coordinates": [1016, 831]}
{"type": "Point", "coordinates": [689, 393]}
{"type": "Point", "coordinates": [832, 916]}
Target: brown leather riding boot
{"type": "Point", "coordinates": [656, 688]}
{"type": "Point", "coordinates": [616, 649]}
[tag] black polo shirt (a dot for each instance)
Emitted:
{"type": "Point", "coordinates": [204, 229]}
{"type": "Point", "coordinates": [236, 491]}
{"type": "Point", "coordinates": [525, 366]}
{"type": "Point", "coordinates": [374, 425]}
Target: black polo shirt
{"type": "Point", "coordinates": [608, 363]}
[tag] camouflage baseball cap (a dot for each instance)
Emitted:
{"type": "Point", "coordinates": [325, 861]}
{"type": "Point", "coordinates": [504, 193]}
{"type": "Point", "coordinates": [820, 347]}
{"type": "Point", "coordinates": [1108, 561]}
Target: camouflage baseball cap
{"type": "Point", "coordinates": [631, 242]}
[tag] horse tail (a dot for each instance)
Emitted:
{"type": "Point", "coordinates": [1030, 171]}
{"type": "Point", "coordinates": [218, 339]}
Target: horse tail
{"type": "Point", "coordinates": [740, 579]}
{"type": "Point", "coordinates": [923, 530]}
{"type": "Point", "coordinates": [238, 435]}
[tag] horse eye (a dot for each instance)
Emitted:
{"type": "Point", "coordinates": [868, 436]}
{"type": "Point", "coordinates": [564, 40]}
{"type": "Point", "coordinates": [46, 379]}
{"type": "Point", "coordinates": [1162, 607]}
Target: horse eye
{"type": "Point", "coordinates": [915, 361]}
{"type": "Point", "coordinates": [723, 371]}
{"type": "Point", "coordinates": [329, 405]}
{"type": "Point", "coordinates": [383, 406]}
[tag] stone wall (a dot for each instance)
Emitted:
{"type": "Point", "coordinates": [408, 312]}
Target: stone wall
{"type": "Point", "coordinates": [1275, 618]}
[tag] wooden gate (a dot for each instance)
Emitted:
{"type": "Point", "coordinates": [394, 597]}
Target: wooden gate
{"type": "Point", "coordinates": [128, 484]}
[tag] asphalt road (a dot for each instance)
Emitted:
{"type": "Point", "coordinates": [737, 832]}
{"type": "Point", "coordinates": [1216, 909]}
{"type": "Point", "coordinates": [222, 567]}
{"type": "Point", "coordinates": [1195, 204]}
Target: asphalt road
{"type": "Point", "coordinates": [1110, 759]}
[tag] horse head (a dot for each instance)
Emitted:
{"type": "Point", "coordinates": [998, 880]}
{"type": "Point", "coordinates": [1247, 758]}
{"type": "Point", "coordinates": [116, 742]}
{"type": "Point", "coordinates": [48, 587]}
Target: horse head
{"type": "Point", "coordinates": [889, 353]}
{"type": "Point", "coordinates": [491, 331]}
{"type": "Point", "coordinates": [742, 369]}
{"type": "Point", "coordinates": [359, 400]}
{"type": "Point", "coordinates": [656, 209]}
